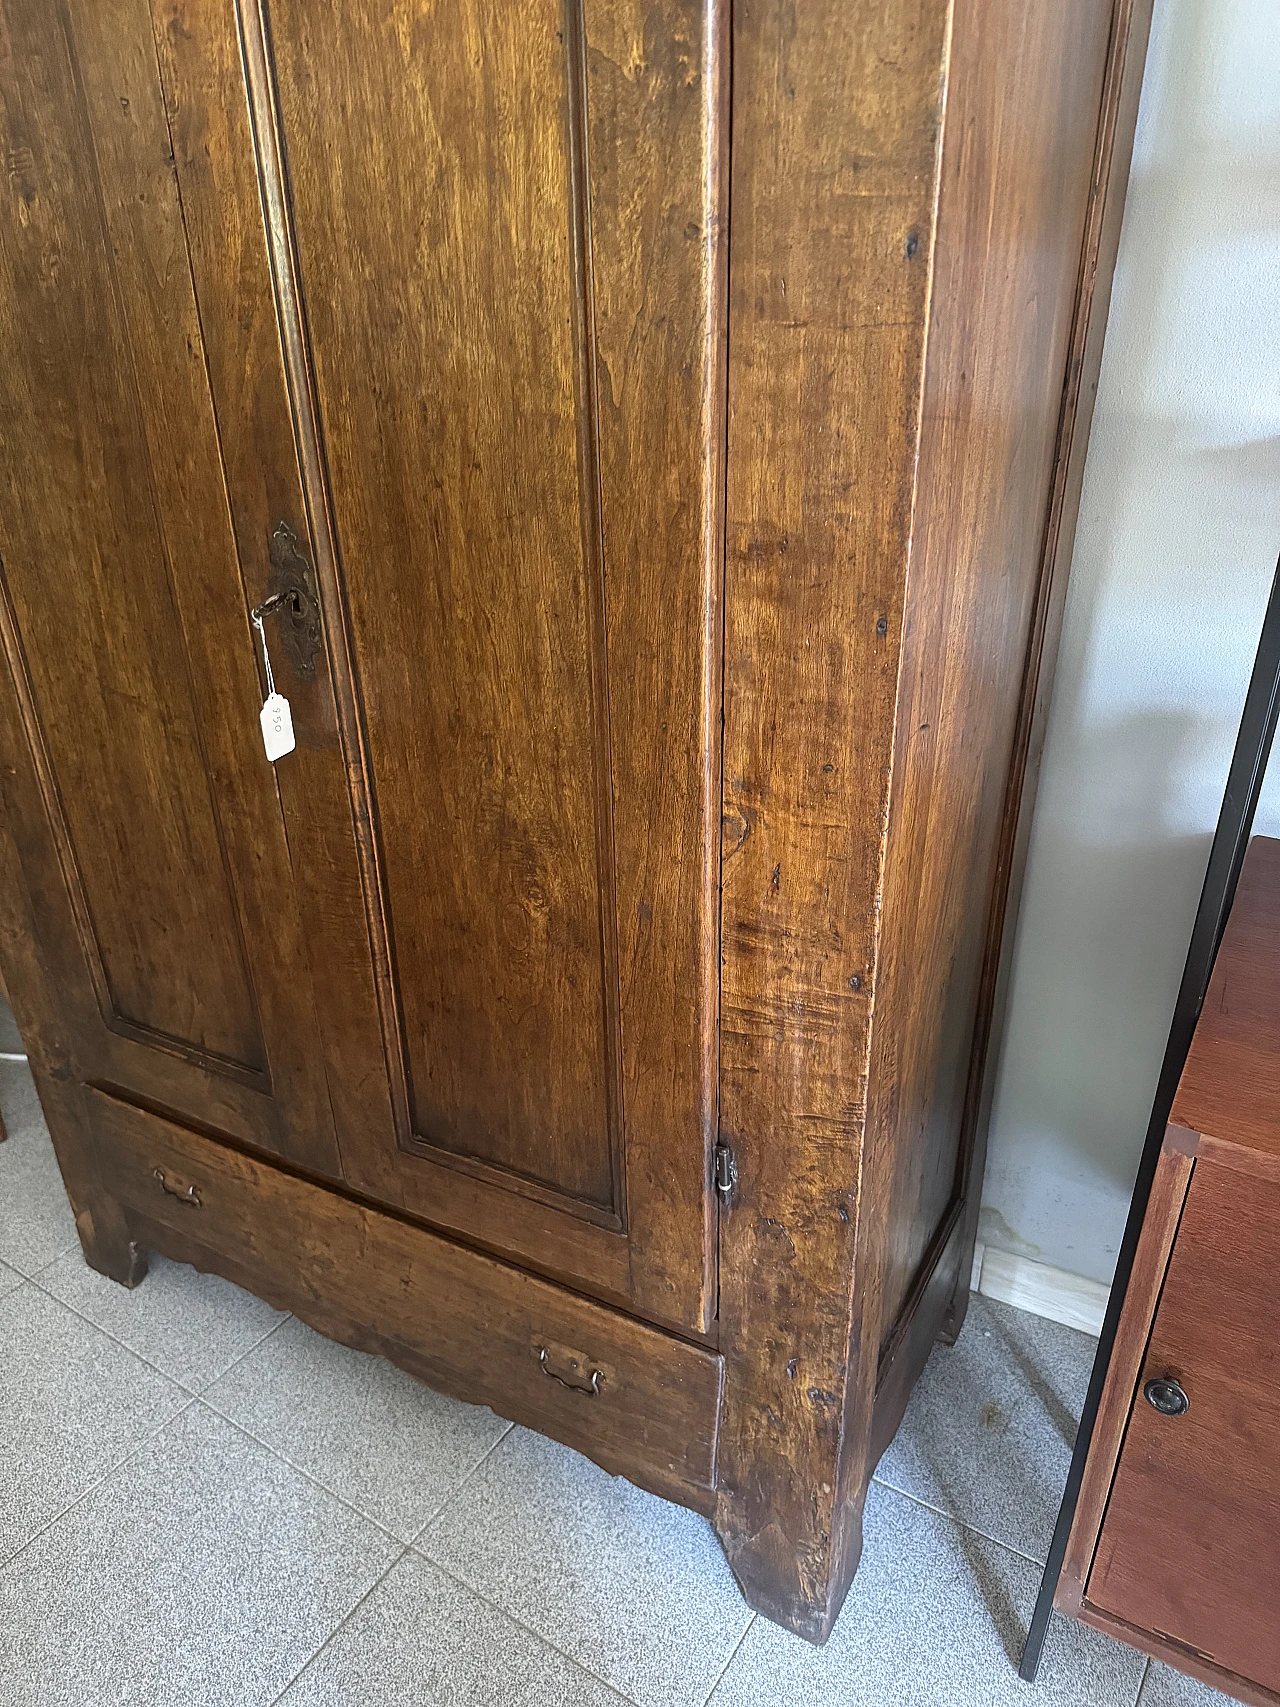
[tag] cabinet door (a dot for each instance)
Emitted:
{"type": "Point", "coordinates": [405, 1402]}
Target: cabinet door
{"type": "Point", "coordinates": [136, 786]}
{"type": "Point", "coordinates": [1190, 1545]}
{"type": "Point", "coordinates": [494, 241]}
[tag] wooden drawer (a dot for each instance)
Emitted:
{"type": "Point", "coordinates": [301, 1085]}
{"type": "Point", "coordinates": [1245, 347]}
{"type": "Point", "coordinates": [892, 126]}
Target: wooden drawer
{"type": "Point", "coordinates": [1190, 1545]}
{"type": "Point", "coordinates": [641, 1403]}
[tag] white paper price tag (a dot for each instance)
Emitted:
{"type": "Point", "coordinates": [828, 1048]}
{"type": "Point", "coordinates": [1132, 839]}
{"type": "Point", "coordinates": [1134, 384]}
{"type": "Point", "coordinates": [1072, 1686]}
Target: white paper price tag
{"type": "Point", "coordinates": [277, 726]}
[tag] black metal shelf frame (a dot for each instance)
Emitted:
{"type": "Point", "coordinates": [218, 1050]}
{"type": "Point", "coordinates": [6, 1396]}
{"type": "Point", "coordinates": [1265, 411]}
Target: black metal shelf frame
{"type": "Point", "coordinates": [1231, 838]}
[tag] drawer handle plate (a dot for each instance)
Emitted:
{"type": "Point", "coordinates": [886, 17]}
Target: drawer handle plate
{"type": "Point", "coordinates": [188, 1195]}
{"type": "Point", "coordinates": [589, 1389]}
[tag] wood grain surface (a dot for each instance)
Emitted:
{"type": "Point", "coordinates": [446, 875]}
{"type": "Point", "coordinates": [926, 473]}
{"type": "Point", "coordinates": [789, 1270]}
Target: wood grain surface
{"type": "Point", "coordinates": [1126, 57]}
{"type": "Point", "coordinates": [444, 774]}
{"type": "Point", "coordinates": [1230, 1086]}
{"type": "Point", "coordinates": [534, 624]}
{"type": "Point", "coordinates": [837, 123]}
{"type": "Point", "coordinates": [897, 416]}
{"type": "Point", "coordinates": [1014, 202]}
{"type": "Point", "coordinates": [177, 943]}
{"type": "Point", "coordinates": [1022, 124]}
{"type": "Point", "coordinates": [1150, 1264]}
{"type": "Point", "coordinates": [465, 1323]}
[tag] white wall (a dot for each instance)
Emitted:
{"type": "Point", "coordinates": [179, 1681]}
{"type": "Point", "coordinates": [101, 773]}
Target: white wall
{"type": "Point", "coordinates": [1178, 536]}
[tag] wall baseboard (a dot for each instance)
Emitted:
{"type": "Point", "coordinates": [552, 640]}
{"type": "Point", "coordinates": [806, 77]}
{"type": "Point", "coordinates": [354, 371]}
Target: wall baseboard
{"type": "Point", "coordinates": [1040, 1289]}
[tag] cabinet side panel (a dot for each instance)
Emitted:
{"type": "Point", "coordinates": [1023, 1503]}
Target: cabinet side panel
{"type": "Point", "coordinates": [1022, 125]}
{"type": "Point", "coordinates": [837, 111]}
{"type": "Point", "coordinates": [1117, 123]}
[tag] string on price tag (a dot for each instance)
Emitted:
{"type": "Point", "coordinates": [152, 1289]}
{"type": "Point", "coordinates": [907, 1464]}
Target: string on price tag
{"type": "Point", "coordinates": [275, 717]}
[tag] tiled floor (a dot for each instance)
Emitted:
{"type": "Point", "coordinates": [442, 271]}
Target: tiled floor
{"type": "Point", "coordinates": [204, 1503]}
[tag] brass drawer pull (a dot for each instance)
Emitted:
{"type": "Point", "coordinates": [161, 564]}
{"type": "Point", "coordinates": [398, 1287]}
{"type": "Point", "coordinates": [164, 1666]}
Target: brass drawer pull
{"type": "Point", "coordinates": [590, 1389]}
{"type": "Point", "coordinates": [190, 1195]}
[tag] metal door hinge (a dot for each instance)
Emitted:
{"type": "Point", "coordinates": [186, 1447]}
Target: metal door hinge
{"type": "Point", "coordinates": [725, 1170]}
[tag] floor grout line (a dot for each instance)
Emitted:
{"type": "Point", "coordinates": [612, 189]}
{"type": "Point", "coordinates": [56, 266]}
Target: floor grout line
{"type": "Point", "coordinates": [195, 1392]}
{"type": "Point", "coordinates": [960, 1522]}
{"type": "Point", "coordinates": [200, 1396]}
{"type": "Point", "coordinates": [706, 1700]}
{"type": "Point", "coordinates": [256, 1346]}
{"type": "Point", "coordinates": [33, 1274]}
{"type": "Point", "coordinates": [298, 1470]}
{"type": "Point", "coordinates": [440, 1510]}
{"type": "Point", "coordinates": [101, 1481]}
{"type": "Point", "coordinates": [506, 1612]}
{"type": "Point", "coordinates": [340, 1625]}
{"type": "Point", "coordinates": [495, 1605]}
{"type": "Point", "coordinates": [407, 1547]}
{"type": "Point", "coordinates": [514, 1618]}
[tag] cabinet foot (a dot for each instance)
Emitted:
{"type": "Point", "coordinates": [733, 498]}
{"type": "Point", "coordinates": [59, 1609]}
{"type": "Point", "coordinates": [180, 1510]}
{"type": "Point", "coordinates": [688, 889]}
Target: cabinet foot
{"type": "Point", "coordinates": [800, 1587]}
{"type": "Point", "coordinates": [107, 1245]}
{"type": "Point", "coordinates": [956, 1311]}
{"type": "Point", "coordinates": [958, 1305]}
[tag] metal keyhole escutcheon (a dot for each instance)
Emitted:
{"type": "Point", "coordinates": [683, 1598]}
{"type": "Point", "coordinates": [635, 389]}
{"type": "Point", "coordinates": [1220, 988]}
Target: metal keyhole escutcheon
{"type": "Point", "coordinates": [291, 593]}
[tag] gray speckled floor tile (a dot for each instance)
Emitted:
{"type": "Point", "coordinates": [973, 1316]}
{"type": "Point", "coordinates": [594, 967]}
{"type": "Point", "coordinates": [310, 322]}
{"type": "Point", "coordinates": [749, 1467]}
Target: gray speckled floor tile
{"type": "Point", "coordinates": [36, 1223]}
{"type": "Point", "coordinates": [205, 1571]}
{"type": "Point", "coordinates": [422, 1638]}
{"type": "Point", "coordinates": [363, 1428]}
{"type": "Point", "coordinates": [73, 1404]}
{"type": "Point", "coordinates": [935, 1618]}
{"type": "Point", "coordinates": [988, 1434]}
{"type": "Point", "coordinates": [1165, 1687]}
{"type": "Point", "coordinates": [634, 1589]}
{"type": "Point", "coordinates": [192, 1326]}
{"type": "Point", "coordinates": [9, 1278]}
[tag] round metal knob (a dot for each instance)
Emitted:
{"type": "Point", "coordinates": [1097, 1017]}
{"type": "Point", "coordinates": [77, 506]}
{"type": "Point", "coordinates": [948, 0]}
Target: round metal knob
{"type": "Point", "coordinates": [1166, 1396]}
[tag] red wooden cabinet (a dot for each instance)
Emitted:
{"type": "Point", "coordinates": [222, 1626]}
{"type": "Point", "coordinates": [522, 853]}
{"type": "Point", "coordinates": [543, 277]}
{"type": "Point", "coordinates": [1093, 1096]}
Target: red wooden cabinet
{"type": "Point", "coordinates": [1176, 1541]}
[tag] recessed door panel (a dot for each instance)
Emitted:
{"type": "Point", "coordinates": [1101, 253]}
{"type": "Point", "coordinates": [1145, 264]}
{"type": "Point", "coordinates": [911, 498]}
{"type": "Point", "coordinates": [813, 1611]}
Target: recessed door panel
{"type": "Point", "coordinates": [448, 301]}
{"type": "Point", "coordinates": [130, 721]}
{"type": "Point", "coordinates": [91, 626]}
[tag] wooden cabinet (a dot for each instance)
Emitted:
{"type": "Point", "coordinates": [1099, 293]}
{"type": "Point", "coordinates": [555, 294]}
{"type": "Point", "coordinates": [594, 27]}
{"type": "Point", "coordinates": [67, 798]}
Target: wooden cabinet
{"type": "Point", "coordinates": [1176, 1541]}
{"type": "Point", "coordinates": [652, 428]}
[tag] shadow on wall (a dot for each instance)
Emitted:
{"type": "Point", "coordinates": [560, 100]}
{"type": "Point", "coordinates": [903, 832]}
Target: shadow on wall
{"type": "Point", "coordinates": [1129, 798]}
{"type": "Point", "coordinates": [1177, 541]}
{"type": "Point", "coordinates": [1090, 954]}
